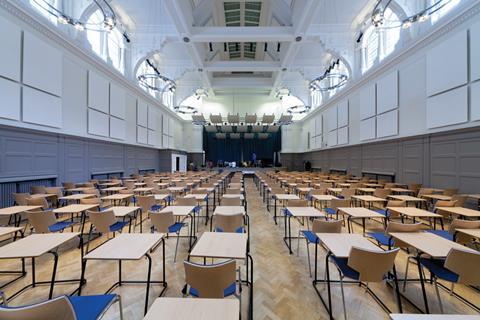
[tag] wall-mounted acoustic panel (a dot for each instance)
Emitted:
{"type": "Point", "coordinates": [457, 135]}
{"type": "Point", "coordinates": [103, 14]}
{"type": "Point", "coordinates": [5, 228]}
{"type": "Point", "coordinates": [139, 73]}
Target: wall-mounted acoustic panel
{"type": "Point", "coordinates": [387, 93]}
{"type": "Point", "coordinates": [332, 138]}
{"type": "Point", "coordinates": [42, 65]}
{"type": "Point", "coordinates": [165, 124]}
{"type": "Point", "coordinates": [332, 119]}
{"type": "Point", "coordinates": [142, 114]}
{"type": "Point", "coordinates": [171, 126]}
{"type": "Point", "coordinates": [142, 135]}
{"type": "Point", "coordinates": [367, 102]}
{"type": "Point", "coordinates": [318, 125]}
{"type": "Point", "coordinates": [41, 108]}
{"type": "Point", "coordinates": [343, 113]}
{"type": "Point", "coordinates": [343, 135]}
{"type": "Point", "coordinates": [152, 118]}
{"type": "Point", "coordinates": [152, 137]}
{"type": "Point", "coordinates": [10, 53]}
{"type": "Point", "coordinates": [10, 93]}
{"type": "Point", "coordinates": [98, 92]}
{"type": "Point", "coordinates": [367, 129]}
{"type": "Point", "coordinates": [387, 124]}
{"type": "Point", "coordinates": [447, 65]}
{"type": "Point", "coordinates": [165, 141]}
{"type": "Point", "coordinates": [475, 51]}
{"type": "Point", "coordinates": [448, 108]}
{"type": "Point", "coordinates": [475, 100]}
{"type": "Point", "coordinates": [171, 143]}
{"type": "Point", "coordinates": [98, 123]}
{"type": "Point", "coordinates": [117, 128]}
{"type": "Point", "coordinates": [117, 101]}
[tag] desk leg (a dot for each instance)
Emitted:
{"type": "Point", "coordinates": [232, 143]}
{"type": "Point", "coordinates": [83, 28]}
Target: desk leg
{"type": "Point", "coordinates": [54, 272]}
{"type": "Point", "coordinates": [148, 280]}
{"type": "Point", "coordinates": [206, 219]}
{"type": "Point", "coordinates": [249, 257]}
{"type": "Point", "coordinates": [327, 268]}
{"type": "Point", "coordinates": [275, 210]}
{"type": "Point", "coordinates": [425, 301]}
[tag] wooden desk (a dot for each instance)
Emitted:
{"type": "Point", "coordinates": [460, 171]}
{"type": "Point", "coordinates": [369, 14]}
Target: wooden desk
{"type": "Point", "coordinates": [360, 213]}
{"type": "Point", "coordinates": [433, 197]}
{"type": "Point", "coordinates": [184, 212]}
{"type": "Point", "coordinates": [77, 197]}
{"type": "Point", "coordinates": [334, 191]}
{"type": "Point", "coordinates": [373, 185]}
{"type": "Point", "coordinates": [282, 197]}
{"type": "Point", "coordinates": [129, 246]}
{"type": "Point", "coordinates": [112, 190]}
{"type": "Point", "coordinates": [460, 211]}
{"type": "Point", "coordinates": [118, 198]}
{"type": "Point", "coordinates": [338, 245]}
{"type": "Point", "coordinates": [366, 191]}
{"type": "Point", "coordinates": [33, 247]}
{"type": "Point", "coordinates": [368, 199]}
{"type": "Point", "coordinates": [224, 245]}
{"type": "Point", "coordinates": [73, 209]}
{"type": "Point", "coordinates": [79, 189]}
{"type": "Point", "coordinates": [109, 184]}
{"type": "Point", "coordinates": [192, 308]}
{"type": "Point", "coordinates": [322, 198]}
{"type": "Point", "coordinates": [474, 233]}
{"type": "Point", "coordinates": [124, 211]}
{"type": "Point", "coordinates": [142, 191]}
{"type": "Point", "coordinates": [401, 191]}
{"type": "Point", "coordinates": [417, 213]}
{"type": "Point", "coordinates": [15, 211]}
{"type": "Point", "coordinates": [404, 316]}
{"type": "Point", "coordinates": [297, 212]}
{"type": "Point", "coordinates": [163, 197]}
{"type": "Point", "coordinates": [407, 199]}
{"type": "Point", "coordinates": [4, 231]}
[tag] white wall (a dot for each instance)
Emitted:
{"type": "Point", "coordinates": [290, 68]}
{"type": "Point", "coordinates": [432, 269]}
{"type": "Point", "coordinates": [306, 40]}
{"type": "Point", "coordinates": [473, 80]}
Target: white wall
{"type": "Point", "coordinates": [50, 86]}
{"type": "Point", "coordinates": [429, 88]}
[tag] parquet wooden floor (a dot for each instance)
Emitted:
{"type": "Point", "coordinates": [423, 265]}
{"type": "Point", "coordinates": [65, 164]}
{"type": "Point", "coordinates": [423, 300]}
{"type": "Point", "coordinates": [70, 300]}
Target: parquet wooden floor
{"type": "Point", "coordinates": [282, 286]}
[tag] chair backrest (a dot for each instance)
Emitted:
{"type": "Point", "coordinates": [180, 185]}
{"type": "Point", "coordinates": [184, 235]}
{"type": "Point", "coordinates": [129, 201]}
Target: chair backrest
{"type": "Point", "coordinates": [233, 191]}
{"type": "Point", "coordinates": [463, 224]}
{"type": "Point", "coordinates": [297, 203]}
{"type": "Point", "coordinates": [196, 191]}
{"type": "Point", "coordinates": [41, 220]}
{"type": "Point", "coordinates": [444, 203]}
{"type": "Point", "coordinates": [414, 186]}
{"type": "Point", "coordinates": [210, 281]}
{"type": "Point", "coordinates": [340, 203]}
{"type": "Point", "coordinates": [129, 184]}
{"type": "Point", "coordinates": [327, 226]}
{"type": "Point", "coordinates": [371, 265]}
{"type": "Point", "coordinates": [92, 191]}
{"type": "Point", "coordinates": [21, 198]}
{"type": "Point", "coordinates": [460, 200]}
{"type": "Point", "coordinates": [403, 227]}
{"type": "Point", "coordinates": [229, 223]}
{"type": "Point", "coordinates": [146, 202]}
{"type": "Point", "coordinates": [94, 200]}
{"type": "Point", "coordinates": [68, 185]}
{"type": "Point", "coordinates": [161, 221]}
{"type": "Point", "coordinates": [424, 191]}
{"type": "Point", "coordinates": [382, 193]}
{"type": "Point", "coordinates": [38, 201]}
{"type": "Point", "coordinates": [161, 191]}
{"type": "Point", "coordinates": [102, 220]}
{"type": "Point", "coordinates": [38, 189]}
{"type": "Point", "coordinates": [58, 308]}
{"type": "Point", "coordinates": [185, 202]}
{"type": "Point", "coordinates": [465, 265]}
{"type": "Point", "coordinates": [318, 191]}
{"type": "Point", "coordinates": [231, 201]}
{"type": "Point", "coordinates": [348, 193]}
{"type": "Point", "coordinates": [450, 191]}
{"type": "Point", "coordinates": [54, 190]}
{"type": "Point", "coordinates": [276, 190]}
{"type": "Point", "coordinates": [389, 185]}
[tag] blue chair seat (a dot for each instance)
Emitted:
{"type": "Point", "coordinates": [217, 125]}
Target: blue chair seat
{"type": "Point", "coordinates": [442, 233]}
{"type": "Point", "coordinates": [117, 226]}
{"type": "Point", "coordinates": [59, 226]}
{"type": "Point", "coordinates": [287, 213]}
{"type": "Point", "coordinates": [436, 267]}
{"type": "Point", "coordinates": [156, 207]}
{"type": "Point", "coordinates": [330, 211]}
{"type": "Point", "coordinates": [91, 307]}
{"type": "Point", "coordinates": [383, 212]}
{"type": "Point", "coordinates": [174, 228]}
{"type": "Point", "coordinates": [310, 236]}
{"type": "Point", "coordinates": [348, 272]}
{"type": "Point", "coordinates": [382, 238]}
{"type": "Point", "coordinates": [239, 230]}
{"type": "Point", "coordinates": [226, 293]}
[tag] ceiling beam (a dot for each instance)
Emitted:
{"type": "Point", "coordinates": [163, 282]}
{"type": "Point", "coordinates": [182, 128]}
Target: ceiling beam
{"type": "Point", "coordinates": [242, 66]}
{"type": "Point", "coordinates": [242, 34]}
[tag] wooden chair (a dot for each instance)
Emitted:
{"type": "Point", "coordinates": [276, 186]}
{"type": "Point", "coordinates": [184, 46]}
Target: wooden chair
{"type": "Point", "coordinates": [104, 222]}
{"type": "Point", "coordinates": [444, 203]}
{"type": "Point", "coordinates": [147, 203]}
{"type": "Point", "coordinates": [20, 199]}
{"type": "Point", "coordinates": [348, 193]}
{"type": "Point", "coordinates": [318, 226]}
{"type": "Point", "coordinates": [297, 203]}
{"type": "Point", "coordinates": [46, 222]}
{"type": "Point", "coordinates": [68, 185]}
{"type": "Point", "coordinates": [129, 200]}
{"type": "Point", "coordinates": [231, 202]}
{"type": "Point", "coordinates": [185, 202]}
{"type": "Point", "coordinates": [94, 200]}
{"type": "Point", "coordinates": [424, 191]}
{"type": "Point", "coordinates": [391, 203]}
{"type": "Point", "coordinates": [451, 233]}
{"type": "Point", "coordinates": [214, 281]}
{"type": "Point", "coordinates": [38, 190]}
{"type": "Point", "coordinates": [230, 223]}
{"type": "Point", "coordinates": [460, 266]}
{"type": "Point", "coordinates": [165, 223]}
{"type": "Point", "coordinates": [460, 200]}
{"type": "Point", "coordinates": [64, 308]}
{"type": "Point", "coordinates": [382, 193]}
{"type": "Point", "coordinates": [40, 201]}
{"type": "Point", "coordinates": [450, 191]}
{"type": "Point", "coordinates": [233, 191]}
{"type": "Point", "coordinates": [335, 204]}
{"type": "Point", "coordinates": [93, 191]}
{"type": "Point", "coordinates": [366, 266]}
{"type": "Point", "coordinates": [415, 187]}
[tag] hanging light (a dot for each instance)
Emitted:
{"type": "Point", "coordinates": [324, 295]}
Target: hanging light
{"type": "Point", "coordinates": [79, 26]}
{"type": "Point", "coordinates": [62, 19]}
{"type": "Point", "coordinates": [109, 23]}
{"type": "Point", "coordinates": [406, 24]}
{"type": "Point", "coordinates": [377, 17]}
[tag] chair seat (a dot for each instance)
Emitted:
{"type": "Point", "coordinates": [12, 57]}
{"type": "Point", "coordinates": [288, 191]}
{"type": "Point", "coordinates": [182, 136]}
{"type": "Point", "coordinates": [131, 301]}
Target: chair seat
{"type": "Point", "coordinates": [239, 230]}
{"type": "Point", "coordinates": [287, 213]}
{"type": "Point", "coordinates": [174, 228]}
{"type": "Point", "coordinates": [382, 238]}
{"type": "Point", "coordinates": [342, 264]}
{"type": "Point", "coordinates": [442, 233]}
{"type": "Point", "coordinates": [310, 236]}
{"type": "Point", "coordinates": [91, 307]}
{"type": "Point", "coordinates": [383, 212]}
{"type": "Point", "coordinates": [435, 266]}
{"type": "Point", "coordinates": [117, 226]}
{"type": "Point", "coordinates": [156, 207]}
{"type": "Point", "coordinates": [230, 290]}
{"type": "Point", "coordinates": [59, 226]}
{"type": "Point", "coordinates": [330, 211]}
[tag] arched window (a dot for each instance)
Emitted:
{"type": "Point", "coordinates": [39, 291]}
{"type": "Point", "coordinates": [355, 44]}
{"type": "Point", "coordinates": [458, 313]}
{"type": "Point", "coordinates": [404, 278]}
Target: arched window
{"type": "Point", "coordinates": [150, 83]}
{"type": "Point", "coordinates": [168, 99]}
{"type": "Point", "coordinates": [316, 98]}
{"type": "Point", "coordinates": [108, 45]}
{"type": "Point", "coordinates": [379, 42]}
{"type": "Point", "coordinates": [449, 5]}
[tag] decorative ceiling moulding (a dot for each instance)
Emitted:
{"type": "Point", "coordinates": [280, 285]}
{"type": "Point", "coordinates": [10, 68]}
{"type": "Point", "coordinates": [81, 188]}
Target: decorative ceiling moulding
{"type": "Point", "coordinates": [17, 9]}
{"type": "Point", "coordinates": [402, 54]}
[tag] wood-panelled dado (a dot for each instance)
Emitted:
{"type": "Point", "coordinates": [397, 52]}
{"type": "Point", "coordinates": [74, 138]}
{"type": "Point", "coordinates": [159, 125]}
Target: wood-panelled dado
{"type": "Point", "coordinates": [29, 154]}
{"type": "Point", "coordinates": [443, 160]}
